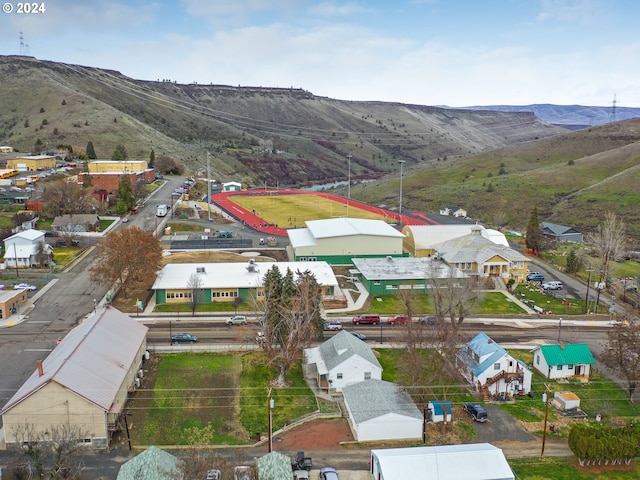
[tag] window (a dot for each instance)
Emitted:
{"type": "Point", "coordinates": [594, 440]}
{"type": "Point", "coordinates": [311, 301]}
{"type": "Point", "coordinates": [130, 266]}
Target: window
{"type": "Point", "coordinates": [376, 282]}
{"type": "Point", "coordinates": [496, 366]}
{"type": "Point", "coordinates": [570, 367]}
{"type": "Point", "coordinates": [339, 376]}
{"type": "Point", "coordinates": [537, 359]}
{"type": "Point", "coordinates": [559, 367]}
{"type": "Point", "coordinates": [367, 375]}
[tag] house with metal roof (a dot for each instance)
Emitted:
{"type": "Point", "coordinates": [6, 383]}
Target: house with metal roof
{"type": "Point", "coordinates": [420, 239]}
{"type": "Point", "coordinates": [152, 464]}
{"type": "Point", "coordinates": [475, 254]}
{"type": "Point", "coordinates": [472, 461]}
{"type": "Point", "coordinates": [564, 360]}
{"type": "Point", "coordinates": [83, 383]}
{"type": "Point", "coordinates": [340, 361]}
{"type": "Point", "coordinates": [339, 240]}
{"type": "Point", "coordinates": [380, 410]}
{"type": "Point", "coordinates": [27, 249]}
{"type": "Point", "coordinates": [224, 282]}
{"type": "Point", "coordinates": [492, 370]}
{"type": "Point", "coordinates": [561, 233]}
{"type": "Point", "coordinates": [388, 276]}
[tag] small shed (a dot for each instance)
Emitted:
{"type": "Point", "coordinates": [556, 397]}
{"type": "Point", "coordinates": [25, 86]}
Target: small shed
{"type": "Point", "coordinates": [566, 400]}
{"type": "Point", "coordinates": [437, 410]}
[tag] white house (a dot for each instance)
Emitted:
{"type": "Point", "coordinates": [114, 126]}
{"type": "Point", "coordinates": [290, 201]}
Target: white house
{"type": "Point", "coordinates": [491, 369]}
{"type": "Point", "coordinates": [231, 187]}
{"type": "Point", "coordinates": [340, 361]}
{"type": "Point", "coordinates": [475, 461]}
{"type": "Point", "coordinates": [565, 360]}
{"type": "Point", "coordinates": [24, 248]}
{"type": "Point", "coordinates": [380, 410]}
{"type": "Point", "coordinates": [453, 211]}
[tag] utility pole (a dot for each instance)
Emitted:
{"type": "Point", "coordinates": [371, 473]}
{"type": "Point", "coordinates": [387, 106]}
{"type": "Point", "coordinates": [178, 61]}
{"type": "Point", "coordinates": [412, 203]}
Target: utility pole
{"type": "Point", "coordinates": [401, 162]}
{"type": "Point", "coordinates": [270, 406]}
{"type": "Point", "coordinates": [586, 301]}
{"type": "Point", "coordinates": [208, 187]}
{"type": "Point", "coordinates": [349, 178]}
{"type": "Point", "coordinates": [546, 416]}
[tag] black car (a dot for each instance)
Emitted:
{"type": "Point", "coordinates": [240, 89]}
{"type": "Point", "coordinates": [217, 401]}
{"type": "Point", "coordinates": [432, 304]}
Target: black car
{"type": "Point", "coordinates": [477, 411]}
{"type": "Point", "coordinates": [183, 338]}
{"type": "Point", "coordinates": [427, 320]}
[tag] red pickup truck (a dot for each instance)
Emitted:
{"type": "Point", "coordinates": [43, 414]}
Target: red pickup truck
{"type": "Point", "coordinates": [367, 318]}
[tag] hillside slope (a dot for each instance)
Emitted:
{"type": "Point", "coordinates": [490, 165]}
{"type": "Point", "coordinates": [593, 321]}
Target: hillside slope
{"type": "Point", "coordinates": [572, 178]}
{"type": "Point", "coordinates": [256, 135]}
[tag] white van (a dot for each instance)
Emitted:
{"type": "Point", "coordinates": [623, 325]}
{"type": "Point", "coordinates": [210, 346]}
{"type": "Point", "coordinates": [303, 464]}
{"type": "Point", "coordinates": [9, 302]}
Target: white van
{"type": "Point", "coordinates": [552, 285]}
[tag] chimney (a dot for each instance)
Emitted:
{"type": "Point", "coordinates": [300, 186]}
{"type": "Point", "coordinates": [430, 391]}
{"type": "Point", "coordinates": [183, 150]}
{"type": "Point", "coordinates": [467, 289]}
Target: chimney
{"type": "Point", "coordinates": [562, 346]}
{"type": "Point", "coordinates": [40, 368]}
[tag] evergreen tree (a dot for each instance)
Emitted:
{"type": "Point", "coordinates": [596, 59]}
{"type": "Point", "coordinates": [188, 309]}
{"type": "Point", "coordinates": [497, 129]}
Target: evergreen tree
{"type": "Point", "coordinates": [573, 262]}
{"type": "Point", "coordinates": [125, 192]}
{"type": "Point", "coordinates": [152, 158]}
{"type": "Point", "coordinates": [534, 232]}
{"type": "Point", "coordinates": [119, 153]}
{"type": "Point", "coordinates": [91, 153]}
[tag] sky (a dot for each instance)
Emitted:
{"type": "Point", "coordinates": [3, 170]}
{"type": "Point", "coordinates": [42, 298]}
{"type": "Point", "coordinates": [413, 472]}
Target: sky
{"type": "Point", "coordinates": [427, 52]}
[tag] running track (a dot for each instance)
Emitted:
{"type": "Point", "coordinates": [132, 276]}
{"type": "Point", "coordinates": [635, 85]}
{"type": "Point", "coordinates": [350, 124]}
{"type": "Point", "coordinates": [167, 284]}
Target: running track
{"type": "Point", "coordinates": [224, 202]}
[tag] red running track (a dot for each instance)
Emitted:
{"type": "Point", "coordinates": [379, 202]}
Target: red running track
{"type": "Point", "coordinates": [252, 220]}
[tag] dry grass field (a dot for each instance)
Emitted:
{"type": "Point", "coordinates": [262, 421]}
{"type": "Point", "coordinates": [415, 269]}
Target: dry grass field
{"type": "Point", "coordinates": [293, 210]}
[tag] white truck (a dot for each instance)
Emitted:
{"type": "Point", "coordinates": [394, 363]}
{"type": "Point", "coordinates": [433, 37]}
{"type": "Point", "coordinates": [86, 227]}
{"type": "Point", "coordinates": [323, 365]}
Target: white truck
{"type": "Point", "coordinates": [162, 210]}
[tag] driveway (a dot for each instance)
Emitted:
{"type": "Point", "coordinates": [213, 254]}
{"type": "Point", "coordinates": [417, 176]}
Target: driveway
{"type": "Point", "coordinates": [500, 427]}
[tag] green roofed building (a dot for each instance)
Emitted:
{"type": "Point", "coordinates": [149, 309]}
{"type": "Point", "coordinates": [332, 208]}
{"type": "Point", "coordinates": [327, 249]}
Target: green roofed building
{"type": "Point", "coordinates": [152, 464]}
{"type": "Point", "coordinates": [564, 360]}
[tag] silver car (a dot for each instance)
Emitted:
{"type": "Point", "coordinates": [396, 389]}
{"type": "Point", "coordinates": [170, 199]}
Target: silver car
{"type": "Point", "coordinates": [236, 320]}
{"type": "Point", "coordinates": [328, 473]}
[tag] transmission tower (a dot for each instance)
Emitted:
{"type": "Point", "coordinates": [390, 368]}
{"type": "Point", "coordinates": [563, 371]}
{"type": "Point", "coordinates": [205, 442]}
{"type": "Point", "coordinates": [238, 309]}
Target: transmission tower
{"type": "Point", "coordinates": [613, 109]}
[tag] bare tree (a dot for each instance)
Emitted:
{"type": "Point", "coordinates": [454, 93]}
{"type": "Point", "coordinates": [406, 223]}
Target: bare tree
{"type": "Point", "coordinates": [62, 197]}
{"type": "Point", "coordinates": [292, 317]}
{"type": "Point", "coordinates": [453, 294]}
{"type": "Point", "coordinates": [623, 351]}
{"type": "Point", "coordinates": [48, 454]}
{"type": "Point", "coordinates": [195, 285]}
{"type": "Point", "coordinates": [42, 254]}
{"type": "Point", "coordinates": [608, 243]}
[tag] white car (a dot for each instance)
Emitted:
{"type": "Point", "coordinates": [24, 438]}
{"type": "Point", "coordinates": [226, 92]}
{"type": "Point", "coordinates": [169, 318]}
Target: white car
{"type": "Point", "coordinates": [552, 286]}
{"type": "Point", "coordinates": [237, 320]}
{"type": "Point", "coordinates": [26, 286]}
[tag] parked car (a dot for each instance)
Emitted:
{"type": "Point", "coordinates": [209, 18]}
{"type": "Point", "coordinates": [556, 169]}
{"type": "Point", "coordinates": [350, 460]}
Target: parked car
{"type": "Point", "coordinates": [63, 243]}
{"type": "Point", "coordinates": [427, 320]}
{"type": "Point", "coordinates": [398, 320]}
{"type": "Point", "coordinates": [213, 475]}
{"type": "Point", "coordinates": [236, 320]}
{"type": "Point", "coordinates": [26, 286]}
{"type": "Point", "coordinates": [477, 411]}
{"type": "Point", "coordinates": [183, 338]}
{"type": "Point", "coordinates": [358, 335]}
{"type": "Point", "coordinates": [367, 318]}
{"type": "Point", "coordinates": [332, 326]}
{"type": "Point", "coordinates": [328, 473]}
{"type": "Point", "coordinates": [242, 472]}
{"type": "Point", "coordinates": [535, 277]}
{"type": "Point", "coordinates": [125, 219]}
{"type": "Point", "coordinates": [552, 285]}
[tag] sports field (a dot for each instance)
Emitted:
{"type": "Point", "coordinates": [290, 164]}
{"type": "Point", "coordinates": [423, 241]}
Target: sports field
{"type": "Point", "coordinates": [292, 210]}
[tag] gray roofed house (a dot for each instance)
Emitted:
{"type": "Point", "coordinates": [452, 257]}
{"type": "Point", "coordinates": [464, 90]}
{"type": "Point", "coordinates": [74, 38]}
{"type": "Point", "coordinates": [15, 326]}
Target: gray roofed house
{"type": "Point", "coordinates": [561, 233]}
{"type": "Point", "coordinates": [81, 222]}
{"type": "Point", "coordinates": [152, 464]}
{"type": "Point", "coordinates": [380, 410]}
{"type": "Point", "coordinates": [342, 360]}
{"type": "Point", "coordinates": [477, 255]}
{"type": "Point", "coordinates": [84, 382]}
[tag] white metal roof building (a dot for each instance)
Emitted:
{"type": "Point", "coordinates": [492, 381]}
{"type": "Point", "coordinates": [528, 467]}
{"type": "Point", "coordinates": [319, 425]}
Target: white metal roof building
{"type": "Point", "coordinates": [380, 410]}
{"type": "Point", "coordinates": [338, 240]}
{"type": "Point", "coordinates": [83, 383]}
{"type": "Point", "coordinates": [225, 281]}
{"type": "Point", "coordinates": [475, 461]}
{"type": "Point", "coordinates": [420, 239]}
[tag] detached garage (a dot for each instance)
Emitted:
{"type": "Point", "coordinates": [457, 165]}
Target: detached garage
{"type": "Point", "coordinates": [380, 410]}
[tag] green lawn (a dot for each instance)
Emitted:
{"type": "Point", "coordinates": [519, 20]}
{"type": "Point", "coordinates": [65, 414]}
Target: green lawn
{"type": "Point", "coordinates": [567, 468]}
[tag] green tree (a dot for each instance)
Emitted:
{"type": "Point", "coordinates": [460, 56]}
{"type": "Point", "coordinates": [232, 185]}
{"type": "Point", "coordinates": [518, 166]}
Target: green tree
{"type": "Point", "coordinates": [119, 153]}
{"type": "Point", "coordinates": [125, 192]}
{"type": "Point", "coordinates": [533, 239]}
{"type": "Point", "coordinates": [91, 153]}
{"type": "Point", "coordinates": [573, 262]}
{"type": "Point", "coordinates": [152, 158]}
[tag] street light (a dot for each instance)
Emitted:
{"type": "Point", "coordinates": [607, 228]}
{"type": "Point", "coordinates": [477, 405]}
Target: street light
{"type": "Point", "coordinates": [401, 162]}
{"type": "Point", "coordinates": [349, 178]}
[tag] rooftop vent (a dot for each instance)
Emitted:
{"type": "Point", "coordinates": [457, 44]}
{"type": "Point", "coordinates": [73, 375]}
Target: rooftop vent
{"type": "Point", "coordinates": [200, 270]}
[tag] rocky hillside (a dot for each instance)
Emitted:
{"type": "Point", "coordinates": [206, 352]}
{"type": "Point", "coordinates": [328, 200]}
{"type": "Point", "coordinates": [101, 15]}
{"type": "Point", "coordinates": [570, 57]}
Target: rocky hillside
{"type": "Point", "coordinates": [254, 134]}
